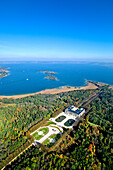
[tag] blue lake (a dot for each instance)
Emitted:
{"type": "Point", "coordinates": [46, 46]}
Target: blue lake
{"type": "Point", "coordinates": [67, 73]}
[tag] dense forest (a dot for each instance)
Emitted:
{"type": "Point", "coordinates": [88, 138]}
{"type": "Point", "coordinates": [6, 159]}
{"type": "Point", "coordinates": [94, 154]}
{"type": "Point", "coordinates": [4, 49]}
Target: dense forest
{"type": "Point", "coordinates": [88, 145]}
{"type": "Point", "coordinates": [17, 116]}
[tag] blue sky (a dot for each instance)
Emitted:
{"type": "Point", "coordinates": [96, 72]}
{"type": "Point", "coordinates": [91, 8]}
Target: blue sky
{"type": "Point", "coordinates": [68, 29]}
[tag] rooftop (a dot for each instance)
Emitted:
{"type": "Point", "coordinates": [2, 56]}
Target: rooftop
{"type": "Point", "coordinates": [73, 109]}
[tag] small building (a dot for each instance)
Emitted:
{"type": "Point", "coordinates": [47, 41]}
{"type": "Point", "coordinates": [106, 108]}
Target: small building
{"type": "Point", "coordinates": [67, 118]}
{"type": "Point", "coordinates": [74, 111]}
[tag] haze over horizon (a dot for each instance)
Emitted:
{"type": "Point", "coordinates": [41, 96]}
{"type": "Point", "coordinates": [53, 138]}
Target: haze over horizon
{"type": "Point", "coordinates": [56, 30]}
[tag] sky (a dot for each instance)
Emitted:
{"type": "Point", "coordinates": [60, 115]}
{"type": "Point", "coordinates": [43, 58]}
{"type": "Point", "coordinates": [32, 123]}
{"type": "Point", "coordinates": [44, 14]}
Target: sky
{"type": "Point", "coordinates": [59, 29]}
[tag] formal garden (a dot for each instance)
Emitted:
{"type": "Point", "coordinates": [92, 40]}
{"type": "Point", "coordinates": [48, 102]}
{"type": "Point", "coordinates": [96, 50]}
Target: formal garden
{"type": "Point", "coordinates": [40, 133]}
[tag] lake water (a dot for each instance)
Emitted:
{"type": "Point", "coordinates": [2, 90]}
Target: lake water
{"type": "Point", "coordinates": [68, 74]}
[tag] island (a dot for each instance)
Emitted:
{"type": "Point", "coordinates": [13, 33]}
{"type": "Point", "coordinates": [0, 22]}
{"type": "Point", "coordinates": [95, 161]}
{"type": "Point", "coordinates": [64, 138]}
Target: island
{"type": "Point", "coordinates": [4, 72]}
{"type": "Point", "coordinates": [48, 72]}
{"type": "Point", "coordinates": [51, 77]}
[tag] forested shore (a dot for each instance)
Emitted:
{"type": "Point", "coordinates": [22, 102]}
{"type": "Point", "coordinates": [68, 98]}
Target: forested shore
{"type": "Point", "coordinates": [89, 145]}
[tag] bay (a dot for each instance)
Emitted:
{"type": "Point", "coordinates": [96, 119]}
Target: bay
{"type": "Point", "coordinates": [68, 74]}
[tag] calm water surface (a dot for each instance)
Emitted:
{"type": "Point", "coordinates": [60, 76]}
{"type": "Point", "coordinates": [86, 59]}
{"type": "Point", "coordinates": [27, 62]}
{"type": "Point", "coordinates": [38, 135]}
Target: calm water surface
{"type": "Point", "coordinates": [67, 74]}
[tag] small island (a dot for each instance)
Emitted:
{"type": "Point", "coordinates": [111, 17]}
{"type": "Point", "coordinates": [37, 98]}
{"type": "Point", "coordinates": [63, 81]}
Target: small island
{"type": "Point", "coordinates": [4, 72]}
{"type": "Point", "coordinates": [51, 77]}
{"type": "Point", "coordinates": [48, 72]}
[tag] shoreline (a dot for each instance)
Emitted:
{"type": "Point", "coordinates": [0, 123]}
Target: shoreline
{"type": "Point", "coordinates": [90, 85]}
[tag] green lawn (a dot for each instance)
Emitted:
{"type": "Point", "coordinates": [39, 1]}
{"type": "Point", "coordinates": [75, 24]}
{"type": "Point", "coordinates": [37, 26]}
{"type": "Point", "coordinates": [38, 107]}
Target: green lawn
{"type": "Point", "coordinates": [50, 123]}
{"type": "Point", "coordinates": [69, 122]}
{"type": "Point", "coordinates": [53, 136]}
{"type": "Point", "coordinates": [56, 127]}
{"type": "Point", "coordinates": [46, 142]}
{"type": "Point", "coordinates": [44, 130]}
{"type": "Point", "coordinates": [37, 136]}
{"type": "Point", "coordinates": [60, 118]}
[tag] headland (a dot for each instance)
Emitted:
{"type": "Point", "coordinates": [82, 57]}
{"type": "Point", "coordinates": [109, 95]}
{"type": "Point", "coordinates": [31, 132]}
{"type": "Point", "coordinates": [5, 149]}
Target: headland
{"type": "Point", "coordinates": [4, 72]}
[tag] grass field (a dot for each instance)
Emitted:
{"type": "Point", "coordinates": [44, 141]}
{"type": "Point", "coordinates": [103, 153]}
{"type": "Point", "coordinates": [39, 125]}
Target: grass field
{"type": "Point", "coordinates": [50, 123]}
{"type": "Point", "coordinates": [69, 122]}
{"type": "Point", "coordinates": [60, 119]}
{"type": "Point", "coordinates": [47, 141]}
{"type": "Point", "coordinates": [56, 127]}
{"type": "Point", "coordinates": [53, 136]}
{"type": "Point", "coordinates": [37, 136]}
{"type": "Point", "coordinates": [45, 130]}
